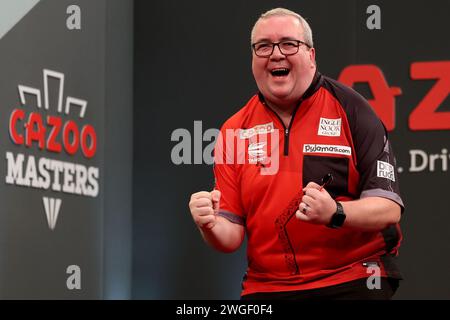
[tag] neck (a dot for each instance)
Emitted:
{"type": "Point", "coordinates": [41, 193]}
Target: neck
{"type": "Point", "coordinates": [284, 109]}
{"type": "Point", "coordinates": [284, 112]}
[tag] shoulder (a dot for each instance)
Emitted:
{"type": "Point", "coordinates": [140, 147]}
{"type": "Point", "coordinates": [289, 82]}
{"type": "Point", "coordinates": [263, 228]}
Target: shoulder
{"type": "Point", "coordinates": [348, 97]}
{"type": "Point", "coordinates": [357, 108]}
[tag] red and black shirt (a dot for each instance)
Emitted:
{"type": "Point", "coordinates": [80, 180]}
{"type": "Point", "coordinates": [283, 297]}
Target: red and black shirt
{"type": "Point", "coordinates": [261, 167]}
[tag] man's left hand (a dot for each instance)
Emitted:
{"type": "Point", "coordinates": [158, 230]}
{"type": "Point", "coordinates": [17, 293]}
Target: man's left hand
{"type": "Point", "coordinates": [317, 205]}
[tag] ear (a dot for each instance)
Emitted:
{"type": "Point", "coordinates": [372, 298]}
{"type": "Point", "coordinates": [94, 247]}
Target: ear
{"type": "Point", "coordinates": [312, 56]}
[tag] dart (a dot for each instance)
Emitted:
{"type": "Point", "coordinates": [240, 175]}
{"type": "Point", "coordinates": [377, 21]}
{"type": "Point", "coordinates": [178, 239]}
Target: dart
{"type": "Point", "coordinates": [326, 180]}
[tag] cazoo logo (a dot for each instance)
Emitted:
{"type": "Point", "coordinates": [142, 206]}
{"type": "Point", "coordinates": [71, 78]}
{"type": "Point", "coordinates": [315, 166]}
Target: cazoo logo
{"type": "Point", "coordinates": [51, 130]}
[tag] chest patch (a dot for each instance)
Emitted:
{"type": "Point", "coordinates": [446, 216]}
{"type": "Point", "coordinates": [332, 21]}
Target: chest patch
{"type": "Point", "coordinates": [257, 152]}
{"type": "Point", "coordinates": [259, 129]}
{"type": "Point", "coordinates": [329, 127]}
{"type": "Point", "coordinates": [326, 148]}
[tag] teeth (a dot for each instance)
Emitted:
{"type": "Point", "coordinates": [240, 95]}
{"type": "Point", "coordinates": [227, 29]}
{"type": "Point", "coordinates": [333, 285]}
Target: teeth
{"type": "Point", "coordinates": [280, 71]}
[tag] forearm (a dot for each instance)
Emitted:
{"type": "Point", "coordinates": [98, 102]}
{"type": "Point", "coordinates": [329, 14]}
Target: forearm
{"type": "Point", "coordinates": [372, 213]}
{"type": "Point", "coordinates": [225, 236]}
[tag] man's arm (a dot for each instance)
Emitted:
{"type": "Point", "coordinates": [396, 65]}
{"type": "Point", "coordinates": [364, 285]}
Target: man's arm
{"type": "Point", "coordinates": [224, 236]}
{"type": "Point", "coordinates": [220, 233]}
{"type": "Point", "coordinates": [371, 213]}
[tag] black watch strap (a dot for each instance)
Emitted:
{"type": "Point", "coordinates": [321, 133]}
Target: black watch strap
{"type": "Point", "coordinates": [338, 218]}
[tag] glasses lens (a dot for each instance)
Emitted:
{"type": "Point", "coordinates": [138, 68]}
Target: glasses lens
{"type": "Point", "coordinates": [289, 47]}
{"type": "Point", "coordinates": [263, 48]}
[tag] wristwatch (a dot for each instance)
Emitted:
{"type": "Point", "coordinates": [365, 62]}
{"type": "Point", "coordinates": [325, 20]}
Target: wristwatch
{"type": "Point", "coordinates": [338, 218]}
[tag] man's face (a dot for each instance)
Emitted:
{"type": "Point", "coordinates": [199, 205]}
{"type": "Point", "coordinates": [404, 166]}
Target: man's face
{"type": "Point", "coordinates": [285, 88]}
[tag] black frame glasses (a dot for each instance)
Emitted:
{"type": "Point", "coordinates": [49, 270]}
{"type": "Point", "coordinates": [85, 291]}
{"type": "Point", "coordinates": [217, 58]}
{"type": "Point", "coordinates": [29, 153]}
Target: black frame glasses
{"type": "Point", "coordinates": [286, 47]}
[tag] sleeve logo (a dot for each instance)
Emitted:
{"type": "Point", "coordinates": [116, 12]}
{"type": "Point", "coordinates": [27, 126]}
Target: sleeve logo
{"type": "Point", "coordinates": [385, 170]}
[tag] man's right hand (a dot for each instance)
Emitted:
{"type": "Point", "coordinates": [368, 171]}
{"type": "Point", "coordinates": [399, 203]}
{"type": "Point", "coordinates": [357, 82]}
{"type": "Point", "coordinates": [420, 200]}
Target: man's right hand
{"type": "Point", "coordinates": [204, 206]}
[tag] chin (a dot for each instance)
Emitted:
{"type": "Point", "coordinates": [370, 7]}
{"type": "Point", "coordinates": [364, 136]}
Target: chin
{"type": "Point", "coordinates": [280, 95]}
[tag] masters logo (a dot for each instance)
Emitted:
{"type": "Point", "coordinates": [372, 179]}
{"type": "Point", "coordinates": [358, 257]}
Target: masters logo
{"type": "Point", "coordinates": [50, 130]}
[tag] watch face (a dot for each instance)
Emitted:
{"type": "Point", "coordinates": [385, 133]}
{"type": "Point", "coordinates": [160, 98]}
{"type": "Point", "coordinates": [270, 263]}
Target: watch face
{"type": "Point", "coordinates": [338, 219]}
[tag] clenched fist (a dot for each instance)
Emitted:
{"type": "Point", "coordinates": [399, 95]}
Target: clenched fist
{"type": "Point", "coordinates": [317, 205]}
{"type": "Point", "coordinates": [204, 206]}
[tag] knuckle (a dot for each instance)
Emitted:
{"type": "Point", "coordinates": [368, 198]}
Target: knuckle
{"type": "Point", "coordinates": [195, 195]}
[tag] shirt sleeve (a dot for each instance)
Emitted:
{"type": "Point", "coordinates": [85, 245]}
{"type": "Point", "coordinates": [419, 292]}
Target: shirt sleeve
{"type": "Point", "coordinates": [226, 179]}
{"type": "Point", "coordinates": [375, 156]}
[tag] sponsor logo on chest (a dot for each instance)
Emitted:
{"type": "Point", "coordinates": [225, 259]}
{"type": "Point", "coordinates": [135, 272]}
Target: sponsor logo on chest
{"type": "Point", "coordinates": [259, 129]}
{"type": "Point", "coordinates": [257, 152]}
{"type": "Point", "coordinates": [329, 127]}
{"type": "Point", "coordinates": [325, 148]}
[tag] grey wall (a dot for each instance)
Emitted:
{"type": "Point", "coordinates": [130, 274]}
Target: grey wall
{"type": "Point", "coordinates": [117, 221]}
{"type": "Point", "coordinates": [192, 62]}
{"type": "Point", "coordinates": [93, 233]}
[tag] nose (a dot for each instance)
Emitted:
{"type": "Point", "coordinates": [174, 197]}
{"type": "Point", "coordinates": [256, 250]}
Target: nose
{"type": "Point", "coordinates": [276, 54]}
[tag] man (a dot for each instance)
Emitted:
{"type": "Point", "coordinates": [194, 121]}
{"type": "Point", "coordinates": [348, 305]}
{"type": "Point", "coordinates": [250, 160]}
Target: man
{"type": "Point", "coordinates": [325, 224]}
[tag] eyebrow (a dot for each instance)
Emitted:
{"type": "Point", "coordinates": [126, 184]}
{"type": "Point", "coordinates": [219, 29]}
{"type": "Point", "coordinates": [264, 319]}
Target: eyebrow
{"type": "Point", "coordinates": [282, 39]}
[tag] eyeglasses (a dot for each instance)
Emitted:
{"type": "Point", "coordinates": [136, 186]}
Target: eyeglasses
{"type": "Point", "coordinates": [287, 47]}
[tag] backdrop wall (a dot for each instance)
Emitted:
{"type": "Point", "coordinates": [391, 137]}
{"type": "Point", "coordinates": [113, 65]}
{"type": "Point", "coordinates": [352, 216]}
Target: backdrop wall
{"type": "Point", "coordinates": [66, 123]}
{"type": "Point", "coordinates": [193, 63]}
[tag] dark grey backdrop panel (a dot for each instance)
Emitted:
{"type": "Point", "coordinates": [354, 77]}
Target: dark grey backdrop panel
{"type": "Point", "coordinates": [118, 150]}
{"type": "Point", "coordinates": [192, 62]}
{"type": "Point", "coordinates": [413, 32]}
{"type": "Point", "coordinates": [35, 258]}
{"type": "Point", "coordinates": [93, 233]}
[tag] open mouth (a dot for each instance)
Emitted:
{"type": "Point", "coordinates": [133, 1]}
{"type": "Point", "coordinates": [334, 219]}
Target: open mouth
{"type": "Point", "coordinates": [280, 72]}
